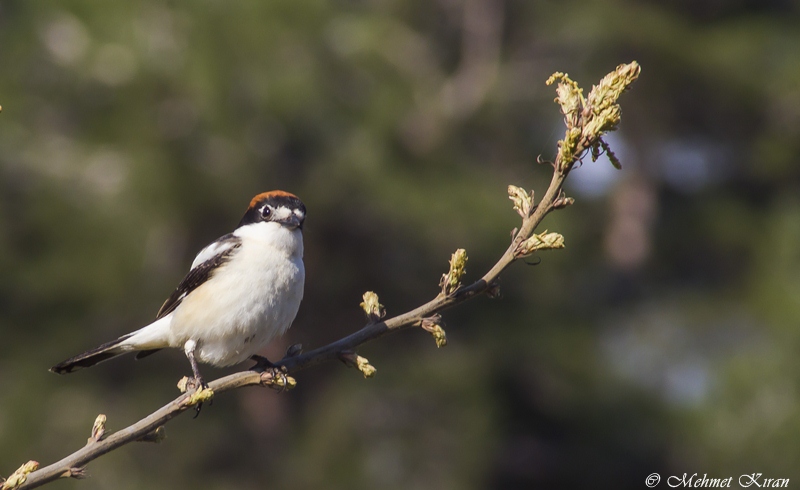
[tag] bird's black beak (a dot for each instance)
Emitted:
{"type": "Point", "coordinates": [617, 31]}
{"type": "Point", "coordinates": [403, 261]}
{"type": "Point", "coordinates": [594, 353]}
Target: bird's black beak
{"type": "Point", "coordinates": [292, 221]}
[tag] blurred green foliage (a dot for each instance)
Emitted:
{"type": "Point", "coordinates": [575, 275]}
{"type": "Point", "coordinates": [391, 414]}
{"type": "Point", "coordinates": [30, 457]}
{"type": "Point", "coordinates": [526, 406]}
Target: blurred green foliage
{"type": "Point", "coordinates": [662, 339]}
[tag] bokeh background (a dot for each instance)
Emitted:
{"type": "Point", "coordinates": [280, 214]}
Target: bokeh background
{"type": "Point", "coordinates": [664, 338]}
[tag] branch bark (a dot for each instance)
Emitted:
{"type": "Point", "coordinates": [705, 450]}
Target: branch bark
{"type": "Point", "coordinates": [577, 119]}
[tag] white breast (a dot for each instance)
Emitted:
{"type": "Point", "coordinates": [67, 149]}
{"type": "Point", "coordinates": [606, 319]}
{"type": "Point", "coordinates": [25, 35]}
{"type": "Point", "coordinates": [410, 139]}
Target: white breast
{"type": "Point", "coordinates": [249, 301]}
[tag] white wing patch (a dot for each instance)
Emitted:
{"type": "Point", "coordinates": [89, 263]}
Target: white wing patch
{"type": "Point", "coordinates": [207, 261]}
{"type": "Point", "coordinates": [218, 247]}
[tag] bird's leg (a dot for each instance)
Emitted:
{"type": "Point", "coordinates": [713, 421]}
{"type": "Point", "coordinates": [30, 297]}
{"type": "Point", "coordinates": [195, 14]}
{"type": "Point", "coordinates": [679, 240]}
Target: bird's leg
{"type": "Point", "coordinates": [196, 382]}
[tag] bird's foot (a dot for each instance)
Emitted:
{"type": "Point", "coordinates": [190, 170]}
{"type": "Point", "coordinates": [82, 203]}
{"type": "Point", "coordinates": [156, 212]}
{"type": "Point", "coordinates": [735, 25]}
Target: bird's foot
{"type": "Point", "coordinates": [276, 375]}
{"type": "Point", "coordinates": [191, 384]}
{"type": "Point", "coordinates": [199, 392]}
{"type": "Point", "coordinates": [196, 383]}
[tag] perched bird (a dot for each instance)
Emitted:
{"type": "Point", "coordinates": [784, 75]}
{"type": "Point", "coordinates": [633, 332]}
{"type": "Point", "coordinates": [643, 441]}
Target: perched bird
{"type": "Point", "coordinates": [242, 291]}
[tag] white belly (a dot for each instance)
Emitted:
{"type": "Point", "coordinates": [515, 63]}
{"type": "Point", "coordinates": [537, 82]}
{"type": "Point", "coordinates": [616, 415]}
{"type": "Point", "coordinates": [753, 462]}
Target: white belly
{"type": "Point", "coordinates": [241, 309]}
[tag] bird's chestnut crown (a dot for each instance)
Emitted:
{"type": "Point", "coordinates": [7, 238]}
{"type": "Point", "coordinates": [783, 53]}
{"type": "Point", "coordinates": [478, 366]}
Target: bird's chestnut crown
{"type": "Point", "coordinates": [275, 206]}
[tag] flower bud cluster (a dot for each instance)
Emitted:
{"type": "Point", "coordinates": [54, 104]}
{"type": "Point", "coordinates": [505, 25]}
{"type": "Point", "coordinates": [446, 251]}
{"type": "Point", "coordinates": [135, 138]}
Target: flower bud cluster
{"type": "Point", "coordinates": [452, 280]}
{"type": "Point", "coordinates": [541, 241]}
{"type": "Point", "coordinates": [432, 325]}
{"type": "Point", "coordinates": [589, 118]}
{"type": "Point", "coordinates": [372, 306]}
{"type": "Point", "coordinates": [523, 202]}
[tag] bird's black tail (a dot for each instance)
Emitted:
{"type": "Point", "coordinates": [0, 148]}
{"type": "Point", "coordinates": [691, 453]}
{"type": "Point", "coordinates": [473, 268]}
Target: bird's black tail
{"type": "Point", "coordinates": [92, 357]}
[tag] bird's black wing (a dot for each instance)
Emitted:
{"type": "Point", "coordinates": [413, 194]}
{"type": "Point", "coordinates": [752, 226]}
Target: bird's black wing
{"type": "Point", "coordinates": [210, 259]}
{"type": "Point", "coordinates": [207, 261]}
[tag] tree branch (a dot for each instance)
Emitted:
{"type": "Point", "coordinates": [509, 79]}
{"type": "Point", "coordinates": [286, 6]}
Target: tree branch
{"type": "Point", "coordinates": [586, 120]}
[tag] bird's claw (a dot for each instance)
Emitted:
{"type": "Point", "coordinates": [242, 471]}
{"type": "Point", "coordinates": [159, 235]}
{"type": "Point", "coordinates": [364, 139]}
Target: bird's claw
{"type": "Point", "coordinates": [273, 375]}
{"type": "Point", "coordinates": [195, 385]}
{"type": "Point", "coordinates": [280, 379]}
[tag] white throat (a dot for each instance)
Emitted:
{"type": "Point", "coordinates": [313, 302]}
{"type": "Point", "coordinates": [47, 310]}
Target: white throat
{"type": "Point", "coordinates": [275, 235]}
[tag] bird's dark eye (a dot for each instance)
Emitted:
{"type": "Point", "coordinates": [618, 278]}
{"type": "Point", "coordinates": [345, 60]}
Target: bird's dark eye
{"type": "Point", "coordinates": [266, 212]}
